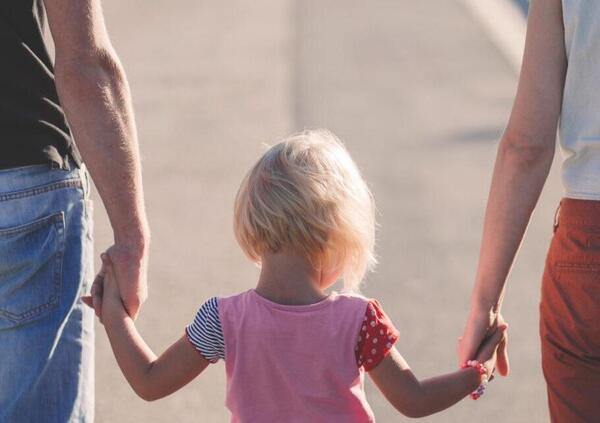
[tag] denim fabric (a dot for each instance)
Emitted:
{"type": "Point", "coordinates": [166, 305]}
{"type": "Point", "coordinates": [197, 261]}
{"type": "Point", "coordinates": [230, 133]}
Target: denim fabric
{"type": "Point", "coordinates": [46, 264]}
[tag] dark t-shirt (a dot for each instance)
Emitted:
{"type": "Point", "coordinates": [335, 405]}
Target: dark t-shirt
{"type": "Point", "coordinates": [33, 128]}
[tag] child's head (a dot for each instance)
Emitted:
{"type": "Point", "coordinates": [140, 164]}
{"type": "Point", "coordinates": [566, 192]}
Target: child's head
{"type": "Point", "coordinates": [306, 196]}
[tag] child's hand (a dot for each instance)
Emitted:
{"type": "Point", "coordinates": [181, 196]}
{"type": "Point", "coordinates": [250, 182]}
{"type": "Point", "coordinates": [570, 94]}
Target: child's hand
{"type": "Point", "coordinates": [111, 295]}
{"type": "Point", "coordinates": [487, 351]}
{"type": "Point", "coordinates": [106, 298]}
{"type": "Point", "coordinates": [94, 300]}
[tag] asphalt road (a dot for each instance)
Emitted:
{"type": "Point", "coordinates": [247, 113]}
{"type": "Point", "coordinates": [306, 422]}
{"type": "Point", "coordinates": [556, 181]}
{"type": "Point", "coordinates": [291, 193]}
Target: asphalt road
{"type": "Point", "coordinates": [419, 95]}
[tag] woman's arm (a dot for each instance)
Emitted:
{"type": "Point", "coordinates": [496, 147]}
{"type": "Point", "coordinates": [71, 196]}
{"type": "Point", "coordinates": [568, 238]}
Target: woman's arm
{"type": "Point", "coordinates": [415, 398]}
{"type": "Point", "coordinates": [150, 377]}
{"type": "Point", "coordinates": [523, 161]}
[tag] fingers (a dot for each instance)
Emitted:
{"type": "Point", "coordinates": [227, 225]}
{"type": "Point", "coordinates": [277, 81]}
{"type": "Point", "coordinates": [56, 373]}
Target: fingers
{"type": "Point", "coordinates": [106, 263]}
{"type": "Point", "coordinates": [87, 300]}
{"type": "Point", "coordinates": [502, 361]}
{"type": "Point", "coordinates": [117, 279]}
{"type": "Point", "coordinates": [96, 294]}
{"type": "Point", "coordinates": [491, 343]}
{"type": "Point", "coordinates": [127, 280]}
{"type": "Point", "coordinates": [109, 273]}
{"type": "Point", "coordinates": [469, 343]}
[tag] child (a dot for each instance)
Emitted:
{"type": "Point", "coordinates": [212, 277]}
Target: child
{"type": "Point", "coordinates": [292, 351]}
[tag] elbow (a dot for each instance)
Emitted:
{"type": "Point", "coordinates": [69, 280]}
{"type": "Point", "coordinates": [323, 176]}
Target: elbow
{"type": "Point", "coordinates": [526, 151]}
{"type": "Point", "coordinates": [147, 394]}
{"type": "Point", "coordinates": [414, 412]}
{"type": "Point", "coordinates": [149, 398]}
{"type": "Point", "coordinates": [413, 407]}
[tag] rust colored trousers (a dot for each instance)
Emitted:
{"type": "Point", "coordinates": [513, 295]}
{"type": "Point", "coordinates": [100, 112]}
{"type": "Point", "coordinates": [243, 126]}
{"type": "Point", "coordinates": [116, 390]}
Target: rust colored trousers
{"type": "Point", "coordinates": [570, 314]}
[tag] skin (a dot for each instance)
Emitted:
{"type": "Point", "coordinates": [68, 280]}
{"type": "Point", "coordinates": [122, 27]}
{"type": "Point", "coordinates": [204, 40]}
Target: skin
{"type": "Point", "coordinates": [285, 278]}
{"type": "Point", "coordinates": [522, 164]}
{"type": "Point", "coordinates": [95, 95]}
{"type": "Point", "coordinates": [151, 377]}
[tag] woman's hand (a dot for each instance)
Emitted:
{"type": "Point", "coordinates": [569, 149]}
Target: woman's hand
{"type": "Point", "coordinates": [475, 340]}
{"type": "Point", "coordinates": [490, 350]}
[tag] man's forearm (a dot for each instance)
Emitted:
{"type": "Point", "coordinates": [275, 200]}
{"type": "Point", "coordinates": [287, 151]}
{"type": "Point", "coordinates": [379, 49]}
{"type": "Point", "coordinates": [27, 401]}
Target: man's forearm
{"type": "Point", "coordinates": [519, 176]}
{"type": "Point", "coordinates": [97, 102]}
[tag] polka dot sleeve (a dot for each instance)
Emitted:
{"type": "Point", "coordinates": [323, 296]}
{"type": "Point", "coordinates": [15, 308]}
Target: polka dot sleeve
{"type": "Point", "coordinates": [376, 338]}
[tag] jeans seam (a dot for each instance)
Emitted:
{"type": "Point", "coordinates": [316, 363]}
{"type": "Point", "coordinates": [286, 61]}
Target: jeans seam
{"type": "Point", "coordinates": [67, 183]}
{"type": "Point", "coordinates": [54, 218]}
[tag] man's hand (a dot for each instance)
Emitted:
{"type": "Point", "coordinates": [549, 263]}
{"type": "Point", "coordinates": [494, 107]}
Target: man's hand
{"type": "Point", "coordinates": [106, 298]}
{"type": "Point", "coordinates": [130, 269]}
{"type": "Point", "coordinates": [129, 266]}
{"type": "Point", "coordinates": [479, 328]}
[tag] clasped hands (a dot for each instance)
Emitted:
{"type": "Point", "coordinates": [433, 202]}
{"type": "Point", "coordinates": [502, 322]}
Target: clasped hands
{"type": "Point", "coordinates": [129, 268]}
{"type": "Point", "coordinates": [481, 325]}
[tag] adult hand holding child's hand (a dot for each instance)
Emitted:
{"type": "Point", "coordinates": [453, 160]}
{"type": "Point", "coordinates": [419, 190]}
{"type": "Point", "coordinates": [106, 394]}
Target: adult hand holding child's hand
{"type": "Point", "coordinates": [480, 328]}
{"type": "Point", "coordinates": [106, 295]}
{"type": "Point", "coordinates": [488, 351]}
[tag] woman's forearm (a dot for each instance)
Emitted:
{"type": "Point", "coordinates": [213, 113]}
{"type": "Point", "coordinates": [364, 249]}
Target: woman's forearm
{"type": "Point", "coordinates": [519, 175]}
{"type": "Point", "coordinates": [525, 153]}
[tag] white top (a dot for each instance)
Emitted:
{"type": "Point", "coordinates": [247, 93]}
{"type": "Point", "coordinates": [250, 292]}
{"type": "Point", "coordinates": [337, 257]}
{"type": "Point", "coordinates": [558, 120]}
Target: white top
{"type": "Point", "coordinates": [580, 118]}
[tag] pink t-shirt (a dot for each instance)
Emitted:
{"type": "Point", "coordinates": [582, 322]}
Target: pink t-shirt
{"type": "Point", "coordinates": [294, 363]}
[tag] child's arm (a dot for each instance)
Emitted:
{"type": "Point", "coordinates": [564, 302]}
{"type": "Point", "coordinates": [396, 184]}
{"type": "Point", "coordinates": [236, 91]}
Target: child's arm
{"type": "Point", "coordinates": [150, 377]}
{"type": "Point", "coordinates": [415, 398]}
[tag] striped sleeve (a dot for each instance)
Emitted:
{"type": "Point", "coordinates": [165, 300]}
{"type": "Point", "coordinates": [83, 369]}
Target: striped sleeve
{"type": "Point", "coordinates": [205, 332]}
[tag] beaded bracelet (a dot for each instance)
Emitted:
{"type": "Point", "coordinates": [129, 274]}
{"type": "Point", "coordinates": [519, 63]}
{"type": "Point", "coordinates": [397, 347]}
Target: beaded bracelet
{"type": "Point", "coordinates": [482, 372]}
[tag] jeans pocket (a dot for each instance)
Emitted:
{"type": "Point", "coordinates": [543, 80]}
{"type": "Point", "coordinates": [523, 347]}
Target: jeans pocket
{"type": "Point", "coordinates": [31, 257]}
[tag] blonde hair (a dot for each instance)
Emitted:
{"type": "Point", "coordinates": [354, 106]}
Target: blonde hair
{"type": "Point", "coordinates": [306, 195]}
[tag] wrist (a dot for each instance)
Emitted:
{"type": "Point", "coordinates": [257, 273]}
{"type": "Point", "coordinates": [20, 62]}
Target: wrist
{"type": "Point", "coordinates": [487, 294]}
{"type": "Point", "coordinates": [479, 375]}
{"type": "Point", "coordinates": [474, 378]}
{"type": "Point", "coordinates": [484, 309]}
{"type": "Point", "coordinates": [134, 233]}
{"type": "Point", "coordinates": [115, 318]}
{"type": "Point", "coordinates": [135, 243]}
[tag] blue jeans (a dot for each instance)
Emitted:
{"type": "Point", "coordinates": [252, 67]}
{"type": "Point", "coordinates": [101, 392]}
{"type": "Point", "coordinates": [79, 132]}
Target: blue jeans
{"type": "Point", "coordinates": [46, 264]}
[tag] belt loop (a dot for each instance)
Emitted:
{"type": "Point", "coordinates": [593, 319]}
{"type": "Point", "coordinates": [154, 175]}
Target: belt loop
{"type": "Point", "coordinates": [66, 166]}
{"type": "Point", "coordinates": [85, 179]}
{"type": "Point", "coordinates": [556, 217]}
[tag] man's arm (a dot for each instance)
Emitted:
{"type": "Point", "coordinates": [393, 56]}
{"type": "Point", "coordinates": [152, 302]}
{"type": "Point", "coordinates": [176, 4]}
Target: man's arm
{"type": "Point", "coordinates": [95, 95]}
{"type": "Point", "coordinates": [522, 164]}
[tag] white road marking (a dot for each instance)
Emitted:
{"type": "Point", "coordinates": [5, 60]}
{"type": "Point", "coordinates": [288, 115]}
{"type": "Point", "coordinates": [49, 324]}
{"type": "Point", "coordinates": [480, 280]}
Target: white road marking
{"type": "Point", "coordinates": [505, 25]}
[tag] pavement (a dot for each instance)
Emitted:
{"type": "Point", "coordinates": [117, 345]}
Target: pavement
{"type": "Point", "coordinates": [419, 94]}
